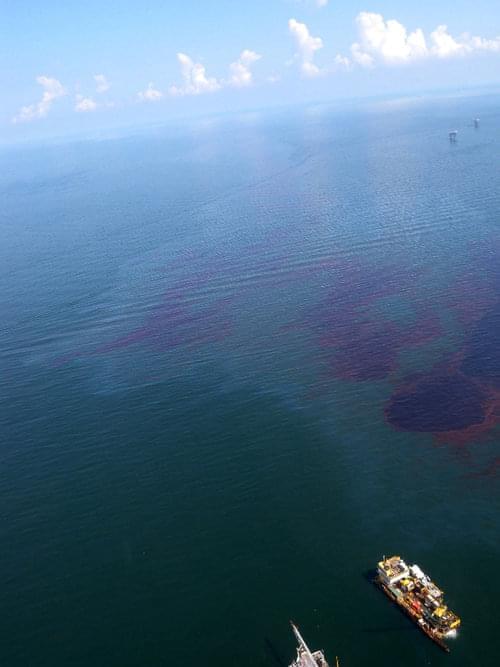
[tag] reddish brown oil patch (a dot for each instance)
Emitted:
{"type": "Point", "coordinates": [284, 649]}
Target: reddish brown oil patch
{"type": "Point", "coordinates": [365, 350]}
{"type": "Point", "coordinates": [441, 403]}
{"type": "Point", "coordinates": [362, 344]}
{"type": "Point", "coordinates": [475, 432]}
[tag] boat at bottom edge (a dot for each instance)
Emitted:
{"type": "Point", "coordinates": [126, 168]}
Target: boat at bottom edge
{"type": "Point", "coordinates": [306, 657]}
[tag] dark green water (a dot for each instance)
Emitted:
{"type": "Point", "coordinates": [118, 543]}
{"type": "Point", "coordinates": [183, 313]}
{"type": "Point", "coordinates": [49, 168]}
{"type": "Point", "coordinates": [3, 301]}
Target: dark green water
{"type": "Point", "coordinates": [202, 331]}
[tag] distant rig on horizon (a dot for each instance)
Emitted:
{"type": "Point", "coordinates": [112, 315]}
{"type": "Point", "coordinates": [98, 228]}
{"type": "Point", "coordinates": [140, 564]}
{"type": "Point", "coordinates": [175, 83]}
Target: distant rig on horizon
{"type": "Point", "coordinates": [452, 134]}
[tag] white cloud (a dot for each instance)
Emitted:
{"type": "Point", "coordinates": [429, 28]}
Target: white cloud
{"type": "Point", "coordinates": [102, 83]}
{"type": "Point", "coordinates": [391, 42]}
{"type": "Point", "coordinates": [482, 44]}
{"type": "Point", "coordinates": [52, 89]}
{"type": "Point", "coordinates": [196, 81]}
{"type": "Point", "coordinates": [194, 77]}
{"type": "Point", "coordinates": [241, 73]}
{"type": "Point", "coordinates": [85, 104]}
{"type": "Point", "coordinates": [443, 44]}
{"type": "Point", "coordinates": [306, 46]}
{"type": "Point", "coordinates": [151, 94]}
{"type": "Point", "coordinates": [316, 3]}
{"type": "Point", "coordinates": [360, 57]}
{"type": "Point", "coordinates": [342, 62]}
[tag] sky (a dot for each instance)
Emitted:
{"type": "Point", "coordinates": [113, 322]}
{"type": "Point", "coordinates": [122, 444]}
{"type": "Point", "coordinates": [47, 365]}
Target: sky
{"type": "Point", "coordinates": [72, 67]}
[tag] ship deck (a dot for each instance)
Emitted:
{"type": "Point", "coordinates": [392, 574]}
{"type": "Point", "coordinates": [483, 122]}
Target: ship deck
{"type": "Point", "coordinates": [304, 660]}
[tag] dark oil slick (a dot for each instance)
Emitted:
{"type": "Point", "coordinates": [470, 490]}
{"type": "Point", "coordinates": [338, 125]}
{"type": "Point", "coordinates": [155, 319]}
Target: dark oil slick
{"type": "Point", "coordinates": [438, 403]}
{"type": "Point", "coordinates": [460, 398]}
{"type": "Point", "coordinates": [361, 343]}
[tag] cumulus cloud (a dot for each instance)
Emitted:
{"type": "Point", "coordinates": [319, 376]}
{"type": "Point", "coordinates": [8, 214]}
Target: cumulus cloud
{"type": "Point", "coordinates": [195, 79]}
{"type": "Point", "coordinates": [52, 89]}
{"type": "Point", "coordinates": [445, 45]}
{"type": "Point", "coordinates": [342, 62]}
{"type": "Point", "coordinates": [151, 94]}
{"type": "Point", "coordinates": [360, 57]}
{"type": "Point", "coordinates": [306, 46]}
{"type": "Point", "coordinates": [482, 44]}
{"type": "Point", "coordinates": [241, 73]}
{"type": "Point", "coordinates": [317, 3]}
{"type": "Point", "coordinates": [390, 41]}
{"type": "Point", "coordinates": [85, 104]}
{"type": "Point", "coordinates": [102, 84]}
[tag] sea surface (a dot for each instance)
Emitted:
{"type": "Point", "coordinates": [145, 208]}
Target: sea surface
{"type": "Point", "coordinates": [242, 358]}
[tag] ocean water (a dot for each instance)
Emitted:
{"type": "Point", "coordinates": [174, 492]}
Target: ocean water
{"type": "Point", "coordinates": [240, 360]}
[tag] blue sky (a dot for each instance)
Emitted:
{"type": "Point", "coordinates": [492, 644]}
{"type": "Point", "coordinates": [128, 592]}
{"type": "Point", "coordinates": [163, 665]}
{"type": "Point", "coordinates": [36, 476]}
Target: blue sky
{"type": "Point", "coordinates": [70, 67]}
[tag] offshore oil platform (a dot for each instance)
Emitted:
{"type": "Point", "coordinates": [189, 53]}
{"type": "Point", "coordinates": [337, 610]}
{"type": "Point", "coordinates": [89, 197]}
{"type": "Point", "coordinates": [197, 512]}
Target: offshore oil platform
{"type": "Point", "coordinates": [306, 657]}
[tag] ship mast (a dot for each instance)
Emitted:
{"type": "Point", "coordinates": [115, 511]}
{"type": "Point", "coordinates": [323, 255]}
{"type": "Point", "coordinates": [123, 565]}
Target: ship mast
{"type": "Point", "coordinates": [304, 646]}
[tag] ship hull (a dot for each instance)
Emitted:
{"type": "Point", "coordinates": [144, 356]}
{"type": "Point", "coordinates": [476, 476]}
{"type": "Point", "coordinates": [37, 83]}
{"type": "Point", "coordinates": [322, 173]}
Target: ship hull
{"type": "Point", "coordinates": [414, 617]}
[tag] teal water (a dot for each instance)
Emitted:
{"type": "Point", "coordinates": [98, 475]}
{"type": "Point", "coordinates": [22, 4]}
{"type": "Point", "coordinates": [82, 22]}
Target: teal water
{"type": "Point", "coordinates": [240, 361]}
